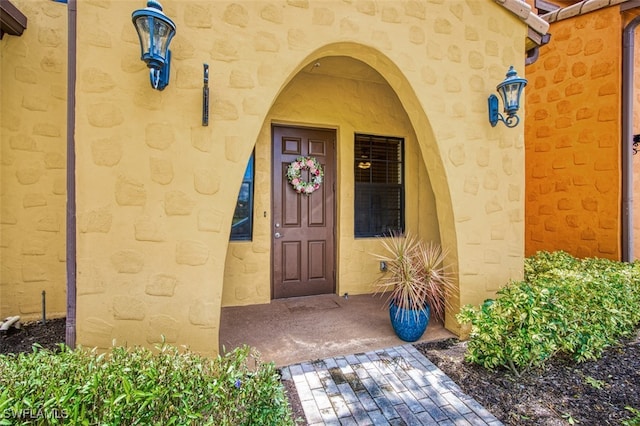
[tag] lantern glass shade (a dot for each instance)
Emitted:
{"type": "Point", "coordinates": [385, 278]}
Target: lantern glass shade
{"type": "Point", "coordinates": [510, 91]}
{"type": "Point", "coordinates": [155, 36]}
{"type": "Point", "coordinates": [155, 31]}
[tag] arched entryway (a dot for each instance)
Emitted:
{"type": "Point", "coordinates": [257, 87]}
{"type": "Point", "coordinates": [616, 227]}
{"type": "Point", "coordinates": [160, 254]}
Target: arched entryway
{"type": "Point", "coordinates": [334, 105]}
{"type": "Point", "coordinates": [348, 97]}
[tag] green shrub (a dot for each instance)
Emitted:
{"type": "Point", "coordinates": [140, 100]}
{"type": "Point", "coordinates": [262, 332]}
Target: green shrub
{"type": "Point", "coordinates": [634, 421]}
{"type": "Point", "coordinates": [136, 386]}
{"type": "Point", "coordinates": [563, 306]}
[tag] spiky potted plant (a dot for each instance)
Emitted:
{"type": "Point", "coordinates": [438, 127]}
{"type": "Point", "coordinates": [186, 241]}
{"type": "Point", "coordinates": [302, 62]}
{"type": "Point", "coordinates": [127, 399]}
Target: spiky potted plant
{"type": "Point", "coordinates": [416, 281]}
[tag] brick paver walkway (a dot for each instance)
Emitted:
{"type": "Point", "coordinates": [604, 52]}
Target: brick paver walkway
{"type": "Point", "coordinates": [395, 386]}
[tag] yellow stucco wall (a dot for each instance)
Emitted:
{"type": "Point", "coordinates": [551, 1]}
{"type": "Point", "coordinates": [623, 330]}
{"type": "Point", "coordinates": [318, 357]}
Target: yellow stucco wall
{"type": "Point", "coordinates": [156, 190]}
{"type": "Point", "coordinates": [33, 73]}
{"type": "Point", "coordinates": [325, 100]}
{"type": "Point", "coordinates": [573, 139]}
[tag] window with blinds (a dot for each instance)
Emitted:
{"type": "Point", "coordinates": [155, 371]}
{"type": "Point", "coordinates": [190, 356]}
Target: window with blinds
{"type": "Point", "coordinates": [379, 185]}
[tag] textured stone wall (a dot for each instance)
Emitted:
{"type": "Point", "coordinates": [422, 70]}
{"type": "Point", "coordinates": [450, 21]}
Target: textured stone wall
{"type": "Point", "coordinates": [156, 190]}
{"type": "Point", "coordinates": [573, 139]}
{"type": "Point", "coordinates": [33, 72]}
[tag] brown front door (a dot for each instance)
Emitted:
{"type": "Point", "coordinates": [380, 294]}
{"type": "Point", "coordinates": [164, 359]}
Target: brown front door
{"type": "Point", "coordinates": [303, 234]}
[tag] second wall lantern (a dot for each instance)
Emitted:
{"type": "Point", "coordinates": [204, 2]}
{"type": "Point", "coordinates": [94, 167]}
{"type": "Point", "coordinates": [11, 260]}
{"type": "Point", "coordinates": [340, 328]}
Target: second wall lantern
{"type": "Point", "coordinates": [155, 31]}
{"type": "Point", "coordinates": [509, 90]}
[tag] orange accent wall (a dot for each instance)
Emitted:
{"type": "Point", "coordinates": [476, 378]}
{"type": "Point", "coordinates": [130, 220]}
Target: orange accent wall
{"type": "Point", "coordinates": [572, 136]}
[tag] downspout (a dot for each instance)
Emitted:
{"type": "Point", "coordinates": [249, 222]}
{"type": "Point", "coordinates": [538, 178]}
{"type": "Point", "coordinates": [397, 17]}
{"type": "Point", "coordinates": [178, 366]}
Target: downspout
{"type": "Point", "coordinates": [70, 331]}
{"type": "Point", "coordinates": [627, 138]}
{"type": "Point", "coordinates": [533, 54]}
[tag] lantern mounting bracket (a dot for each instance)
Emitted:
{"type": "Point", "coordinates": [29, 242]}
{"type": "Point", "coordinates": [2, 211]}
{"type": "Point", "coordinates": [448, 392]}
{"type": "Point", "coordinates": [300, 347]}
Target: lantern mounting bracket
{"type": "Point", "coordinates": [495, 116]}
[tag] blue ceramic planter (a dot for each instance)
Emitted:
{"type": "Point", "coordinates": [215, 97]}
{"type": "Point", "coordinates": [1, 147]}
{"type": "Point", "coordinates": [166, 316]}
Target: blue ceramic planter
{"type": "Point", "coordinates": [409, 325]}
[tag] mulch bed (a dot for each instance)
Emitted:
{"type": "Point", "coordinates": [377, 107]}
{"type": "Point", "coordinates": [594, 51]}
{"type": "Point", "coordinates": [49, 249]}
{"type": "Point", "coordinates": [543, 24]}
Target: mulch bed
{"type": "Point", "coordinates": [49, 336]}
{"type": "Point", "coordinates": [561, 393]}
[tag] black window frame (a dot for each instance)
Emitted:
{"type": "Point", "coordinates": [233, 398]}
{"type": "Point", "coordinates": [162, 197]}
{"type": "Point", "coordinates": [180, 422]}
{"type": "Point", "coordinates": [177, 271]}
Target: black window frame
{"type": "Point", "coordinates": [368, 220]}
{"type": "Point", "coordinates": [242, 228]}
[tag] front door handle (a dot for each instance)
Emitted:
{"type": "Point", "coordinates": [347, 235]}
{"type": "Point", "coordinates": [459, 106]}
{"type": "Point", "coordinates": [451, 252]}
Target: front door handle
{"type": "Point", "coordinates": [277, 235]}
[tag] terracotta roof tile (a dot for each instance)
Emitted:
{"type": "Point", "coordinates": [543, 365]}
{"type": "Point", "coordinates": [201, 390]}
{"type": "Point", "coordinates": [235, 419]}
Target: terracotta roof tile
{"type": "Point", "coordinates": [578, 9]}
{"type": "Point", "coordinates": [538, 26]}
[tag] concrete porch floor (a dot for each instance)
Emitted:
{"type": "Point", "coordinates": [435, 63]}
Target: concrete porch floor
{"type": "Point", "coordinates": [289, 331]}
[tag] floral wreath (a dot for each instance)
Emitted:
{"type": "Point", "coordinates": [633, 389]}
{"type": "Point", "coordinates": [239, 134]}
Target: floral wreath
{"type": "Point", "coordinates": [315, 173]}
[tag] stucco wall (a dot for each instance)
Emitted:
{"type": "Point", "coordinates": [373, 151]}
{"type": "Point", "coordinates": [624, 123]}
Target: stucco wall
{"type": "Point", "coordinates": [573, 139]}
{"type": "Point", "coordinates": [349, 106]}
{"type": "Point", "coordinates": [156, 190]}
{"type": "Point", "coordinates": [33, 73]}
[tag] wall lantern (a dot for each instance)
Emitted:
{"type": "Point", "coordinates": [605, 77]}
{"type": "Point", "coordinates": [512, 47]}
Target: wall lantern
{"type": "Point", "coordinates": [155, 31]}
{"type": "Point", "coordinates": [510, 90]}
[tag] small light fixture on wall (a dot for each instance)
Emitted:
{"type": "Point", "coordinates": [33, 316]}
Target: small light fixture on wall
{"type": "Point", "coordinates": [155, 31]}
{"type": "Point", "coordinates": [510, 90]}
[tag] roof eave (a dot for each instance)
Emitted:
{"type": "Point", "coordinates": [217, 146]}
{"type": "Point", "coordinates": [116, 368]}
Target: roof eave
{"type": "Point", "coordinates": [12, 21]}
{"type": "Point", "coordinates": [584, 7]}
{"type": "Point", "coordinates": [538, 27]}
